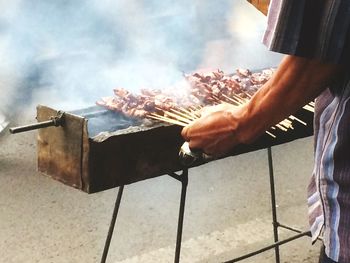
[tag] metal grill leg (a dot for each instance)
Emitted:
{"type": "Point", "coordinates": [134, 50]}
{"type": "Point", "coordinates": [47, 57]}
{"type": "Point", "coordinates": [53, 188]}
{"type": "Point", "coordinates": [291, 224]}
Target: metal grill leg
{"type": "Point", "coordinates": [273, 205]}
{"type": "Point", "coordinates": [112, 224]}
{"type": "Point", "coordinates": [183, 178]}
{"type": "Point", "coordinates": [184, 183]}
{"type": "Point", "coordinates": [276, 224]}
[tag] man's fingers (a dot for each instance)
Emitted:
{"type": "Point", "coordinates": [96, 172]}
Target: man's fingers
{"type": "Point", "coordinates": [194, 145]}
{"type": "Point", "coordinates": [184, 133]}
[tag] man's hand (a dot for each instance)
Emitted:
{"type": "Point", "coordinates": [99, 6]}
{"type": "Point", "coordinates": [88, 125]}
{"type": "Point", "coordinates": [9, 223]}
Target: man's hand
{"type": "Point", "coordinates": [217, 131]}
{"type": "Point", "coordinates": [296, 81]}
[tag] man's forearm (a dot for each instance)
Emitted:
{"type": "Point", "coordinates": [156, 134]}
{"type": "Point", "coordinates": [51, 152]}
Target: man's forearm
{"type": "Point", "coordinates": [295, 82]}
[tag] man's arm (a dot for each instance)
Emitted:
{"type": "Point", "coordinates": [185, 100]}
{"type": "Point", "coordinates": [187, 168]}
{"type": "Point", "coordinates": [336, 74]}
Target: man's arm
{"type": "Point", "coordinates": [296, 81]}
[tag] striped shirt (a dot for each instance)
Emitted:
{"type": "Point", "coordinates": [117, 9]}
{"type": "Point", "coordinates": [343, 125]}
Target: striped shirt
{"type": "Point", "coordinates": [320, 29]}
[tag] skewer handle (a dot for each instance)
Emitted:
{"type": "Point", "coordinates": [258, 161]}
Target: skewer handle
{"type": "Point", "coordinates": [54, 121]}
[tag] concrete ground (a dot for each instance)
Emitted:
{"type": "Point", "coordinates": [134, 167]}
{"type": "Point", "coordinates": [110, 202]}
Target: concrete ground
{"type": "Point", "coordinates": [227, 211]}
{"type": "Point", "coordinates": [3, 121]}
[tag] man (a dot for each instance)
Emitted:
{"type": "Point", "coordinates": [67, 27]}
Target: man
{"type": "Point", "coordinates": [316, 37]}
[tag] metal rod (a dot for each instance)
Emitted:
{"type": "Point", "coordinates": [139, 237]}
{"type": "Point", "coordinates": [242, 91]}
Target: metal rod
{"type": "Point", "coordinates": [175, 176]}
{"type": "Point", "coordinates": [56, 121]}
{"type": "Point", "coordinates": [274, 245]}
{"type": "Point", "coordinates": [291, 228]}
{"type": "Point", "coordinates": [184, 183]}
{"type": "Point", "coordinates": [273, 204]}
{"type": "Point", "coordinates": [112, 224]}
{"type": "Point", "coordinates": [33, 126]}
{"type": "Point", "coordinates": [296, 230]}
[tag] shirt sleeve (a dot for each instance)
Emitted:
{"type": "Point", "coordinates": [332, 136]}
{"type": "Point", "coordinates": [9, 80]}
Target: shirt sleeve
{"type": "Point", "coordinates": [318, 29]}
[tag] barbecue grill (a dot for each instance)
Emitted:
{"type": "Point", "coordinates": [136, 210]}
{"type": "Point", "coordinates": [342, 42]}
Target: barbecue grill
{"type": "Point", "coordinates": [94, 149]}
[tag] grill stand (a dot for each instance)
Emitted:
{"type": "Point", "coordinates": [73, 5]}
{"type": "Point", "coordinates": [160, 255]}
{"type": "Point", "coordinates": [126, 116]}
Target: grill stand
{"type": "Point", "coordinates": [111, 226]}
{"type": "Point", "coordinates": [275, 222]}
{"type": "Point", "coordinates": [183, 178]}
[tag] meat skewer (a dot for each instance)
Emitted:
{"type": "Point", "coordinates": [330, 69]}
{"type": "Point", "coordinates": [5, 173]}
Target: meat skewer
{"type": "Point", "coordinates": [205, 89]}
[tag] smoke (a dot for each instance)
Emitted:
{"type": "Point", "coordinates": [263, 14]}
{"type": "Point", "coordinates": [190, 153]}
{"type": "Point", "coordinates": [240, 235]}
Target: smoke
{"type": "Point", "coordinates": [69, 53]}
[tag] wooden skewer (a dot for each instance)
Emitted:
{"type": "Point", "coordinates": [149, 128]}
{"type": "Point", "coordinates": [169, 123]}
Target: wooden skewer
{"type": "Point", "coordinates": [231, 99]}
{"type": "Point", "coordinates": [225, 102]}
{"type": "Point", "coordinates": [183, 116]}
{"type": "Point", "coordinates": [239, 102]}
{"type": "Point", "coordinates": [194, 114]}
{"type": "Point", "coordinates": [167, 120]}
{"type": "Point", "coordinates": [186, 119]}
{"type": "Point", "coordinates": [288, 120]}
{"type": "Point", "coordinates": [163, 116]}
{"type": "Point", "coordinates": [244, 100]}
{"type": "Point", "coordinates": [195, 108]}
{"type": "Point", "coordinates": [286, 123]}
{"type": "Point", "coordinates": [271, 134]}
{"type": "Point", "coordinates": [177, 117]}
{"type": "Point", "coordinates": [214, 101]}
{"type": "Point", "coordinates": [295, 118]}
{"type": "Point", "coordinates": [309, 108]}
{"type": "Point", "coordinates": [281, 127]}
{"type": "Point", "coordinates": [215, 97]}
{"type": "Point", "coordinates": [248, 95]}
{"type": "Point", "coordinates": [238, 98]}
{"type": "Point", "coordinates": [189, 117]}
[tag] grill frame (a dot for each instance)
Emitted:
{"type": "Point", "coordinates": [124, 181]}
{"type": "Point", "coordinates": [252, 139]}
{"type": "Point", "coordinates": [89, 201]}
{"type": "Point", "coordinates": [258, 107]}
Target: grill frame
{"type": "Point", "coordinates": [69, 155]}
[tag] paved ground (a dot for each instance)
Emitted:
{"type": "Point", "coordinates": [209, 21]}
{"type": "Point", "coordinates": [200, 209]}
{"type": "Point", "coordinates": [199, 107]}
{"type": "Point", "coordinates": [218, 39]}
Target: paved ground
{"type": "Point", "coordinates": [227, 212]}
{"type": "Point", "coordinates": [3, 121]}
